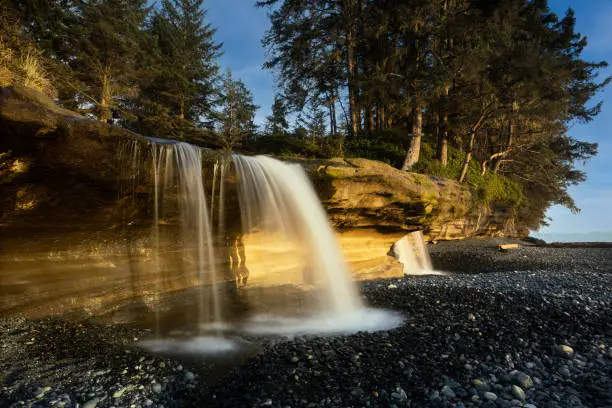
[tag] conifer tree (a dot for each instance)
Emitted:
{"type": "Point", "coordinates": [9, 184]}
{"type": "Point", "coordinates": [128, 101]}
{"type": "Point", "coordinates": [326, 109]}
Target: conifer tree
{"type": "Point", "coordinates": [179, 92]}
{"type": "Point", "coordinates": [276, 123]}
{"type": "Point", "coordinates": [108, 39]}
{"type": "Point", "coordinates": [235, 119]}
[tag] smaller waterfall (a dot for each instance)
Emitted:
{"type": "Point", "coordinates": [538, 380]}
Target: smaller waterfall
{"type": "Point", "coordinates": [411, 251]}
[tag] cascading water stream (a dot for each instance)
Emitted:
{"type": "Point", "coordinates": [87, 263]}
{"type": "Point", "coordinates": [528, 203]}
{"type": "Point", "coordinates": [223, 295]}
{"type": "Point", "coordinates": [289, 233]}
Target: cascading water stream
{"type": "Point", "coordinates": [285, 202]}
{"type": "Point", "coordinates": [411, 251]}
{"type": "Point", "coordinates": [196, 220]}
{"type": "Point", "coordinates": [276, 200]}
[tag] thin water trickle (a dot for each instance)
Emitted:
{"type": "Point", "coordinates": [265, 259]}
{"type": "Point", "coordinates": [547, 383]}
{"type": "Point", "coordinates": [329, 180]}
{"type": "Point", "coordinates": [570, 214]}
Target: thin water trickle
{"type": "Point", "coordinates": [196, 222]}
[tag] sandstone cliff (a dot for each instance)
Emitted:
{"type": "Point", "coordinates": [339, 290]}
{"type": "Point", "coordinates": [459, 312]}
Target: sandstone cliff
{"type": "Point", "coordinates": [62, 208]}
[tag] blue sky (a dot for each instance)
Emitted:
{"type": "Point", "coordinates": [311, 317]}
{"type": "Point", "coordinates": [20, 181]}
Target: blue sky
{"type": "Point", "coordinates": [241, 27]}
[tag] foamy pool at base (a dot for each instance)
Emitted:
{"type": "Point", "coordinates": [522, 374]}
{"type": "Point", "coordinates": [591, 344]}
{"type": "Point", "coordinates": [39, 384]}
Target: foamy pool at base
{"type": "Point", "coordinates": [365, 320]}
{"type": "Point", "coordinates": [194, 345]}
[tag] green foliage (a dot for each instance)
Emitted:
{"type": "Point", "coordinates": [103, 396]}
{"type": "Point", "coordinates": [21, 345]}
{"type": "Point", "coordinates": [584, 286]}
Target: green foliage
{"type": "Point", "coordinates": [388, 146]}
{"type": "Point", "coordinates": [488, 189]}
{"type": "Point", "coordinates": [179, 82]}
{"type": "Point", "coordinates": [496, 79]}
{"type": "Point", "coordinates": [276, 123]}
{"type": "Point", "coordinates": [107, 40]}
{"type": "Point", "coordinates": [235, 117]}
{"type": "Point", "coordinates": [499, 81]}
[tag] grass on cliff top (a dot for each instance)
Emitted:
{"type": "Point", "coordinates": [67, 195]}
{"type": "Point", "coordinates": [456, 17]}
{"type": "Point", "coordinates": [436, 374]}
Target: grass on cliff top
{"type": "Point", "coordinates": [24, 67]}
{"type": "Point", "coordinates": [488, 188]}
{"type": "Point", "coordinates": [390, 146]}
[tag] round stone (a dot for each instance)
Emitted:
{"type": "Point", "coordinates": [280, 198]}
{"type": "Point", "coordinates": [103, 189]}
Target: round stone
{"type": "Point", "coordinates": [518, 393]}
{"type": "Point", "coordinates": [491, 396]}
{"type": "Point", "coordinates": [448, 392]}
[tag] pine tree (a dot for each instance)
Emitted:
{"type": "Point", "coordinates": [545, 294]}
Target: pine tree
{"type": "Point", "coordinates": [108, 40]}
{"type": "Point", "coordinates": [237, 113]}
{"type": "Point", "coordinates": [313, 121]}
{"type": "Point", "coordinates": [47, 24]}
{"type": "Point", "coordinates": [313, 47]}
{"type": "Point", "coordinates": [276, 123]}
{"type": "Point", "coordinates": [189, 59]}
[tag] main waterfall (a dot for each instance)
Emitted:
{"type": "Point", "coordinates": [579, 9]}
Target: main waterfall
{"type": "Point", "coordinates": [193, 190]}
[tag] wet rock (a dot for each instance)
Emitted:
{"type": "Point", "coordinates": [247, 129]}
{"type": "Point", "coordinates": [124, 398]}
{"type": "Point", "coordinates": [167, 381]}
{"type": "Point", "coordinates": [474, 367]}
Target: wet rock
{"type": "Point", "coordinates": [564, 371]}
{"type": "Point", "coordinates": [518, 393]}
{"type": "Point", "coordinates": [448, 392]}
{"type": "Point", "coordinates": [92, 403]}
{"type": "Point", "coordinates": [119, 393]}
{"type": "Point", "coordinates": [399, 394]}
{"type": "Point", "coordinates": [565, 351]}
{"type": "Point", "coordinates": [490, 396]}
{"type": "Point", "coordinates": [523, 380]}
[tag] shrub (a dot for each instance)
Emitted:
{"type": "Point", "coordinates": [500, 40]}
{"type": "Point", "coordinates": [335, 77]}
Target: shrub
{"type": "Point", "coordinates": [488, 188]}
{"type": "Point", "coordinates": [388, 146]}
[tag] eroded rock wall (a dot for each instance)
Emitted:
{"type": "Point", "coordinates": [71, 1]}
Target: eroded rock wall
{"type": "Point", "coordinates": [64, 211]}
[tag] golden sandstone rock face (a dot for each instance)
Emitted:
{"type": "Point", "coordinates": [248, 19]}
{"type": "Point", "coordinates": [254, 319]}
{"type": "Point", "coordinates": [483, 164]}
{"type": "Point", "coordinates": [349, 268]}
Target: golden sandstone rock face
{"type": "Point", "coordinates": [71, 240]}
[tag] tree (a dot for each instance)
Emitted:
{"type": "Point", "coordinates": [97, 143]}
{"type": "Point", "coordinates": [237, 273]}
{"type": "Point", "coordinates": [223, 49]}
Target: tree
{"type": "Point", "coordinates": [313, 47]}
{"type": "Point", "coordinates": [276, 123]}
{"type": "Point", "coordinates": [313, 121]}
{"type": "Point", "coordinates": [108, 38]}
{"type": "Point", "coordinates": [179, 92]}
{"type": "Point", "coordinates": [46, 25]}
{"type": "Point", "coordinates": [189, 58]}
{"type": "Point", "coordinates": [236, 117]}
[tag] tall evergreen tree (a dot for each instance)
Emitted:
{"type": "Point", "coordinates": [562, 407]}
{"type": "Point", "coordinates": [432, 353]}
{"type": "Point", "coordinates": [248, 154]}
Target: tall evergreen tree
{"type": "Point", "coordinates": [313, 46]}
{"type": "Point", "coordinates": [313, 120]}
{"type": "Point", "coordinates": [48, 24]}
{"type": "Point", "coordinates": [108, 40]}
{"type": "Point", "coordinates": [237, 113]}
{"type": "Point", "coordinates": [189, 58]}
{"type": "Point", "coordinates": [276, 123]}
{"type": "Point", "coordinates": [179, 93]}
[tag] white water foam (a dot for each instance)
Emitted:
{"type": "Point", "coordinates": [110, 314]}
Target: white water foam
{"type": "Point", "coordinates": [193, 345]}
{"type": "Point", "coordinates": [362, 320]}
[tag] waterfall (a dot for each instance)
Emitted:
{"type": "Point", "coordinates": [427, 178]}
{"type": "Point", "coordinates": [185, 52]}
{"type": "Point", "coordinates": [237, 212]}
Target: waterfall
{"type": "Point", "coordinates": [279, 197]}
{"type": "Point", "coordinates": [411, 251]}
{"type": "Point", "coordinates": [196, 190]}
{"type": "Point", "coordinates": [178, 166]}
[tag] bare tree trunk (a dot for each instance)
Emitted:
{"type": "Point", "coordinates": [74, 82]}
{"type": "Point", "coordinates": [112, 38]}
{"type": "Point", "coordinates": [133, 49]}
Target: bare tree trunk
{"type": "Point", "coordinates": [358, 113]}
{"type": "Point", "coordinates": [442, 153]}
{"type": "Point", "coordinates": [484, 114]}
{"type": "Point", "coordinates": [499, 160]}
{"type": "Point", "coordinates": [383, 122]}
{"type": "Point", "coordinates": [332, 119]}
{"type": "Point", "coordinates": [468, 157]}
{"type": "Point", "coordinates": [105, 98]}
{"type": "Point", "coordinates": [414, 151]}
{"type": "Point", "coordinates": [182, 107]}
{"type": "Point", "coordinates": [352, 85]}
{"type": "Point", "coordinates": [369, 112]}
